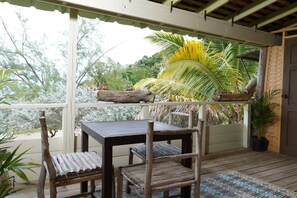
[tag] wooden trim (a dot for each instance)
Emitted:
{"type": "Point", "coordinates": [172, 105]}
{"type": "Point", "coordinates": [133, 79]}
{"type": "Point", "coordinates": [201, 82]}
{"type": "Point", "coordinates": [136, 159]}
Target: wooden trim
{"type": "Point", "coordinates": [284, 30]}
{"type": "Point", "coordinates": [291, 36]}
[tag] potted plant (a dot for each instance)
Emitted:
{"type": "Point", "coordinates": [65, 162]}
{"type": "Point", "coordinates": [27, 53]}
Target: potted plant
{"type": "Point", "coordinates": [263, 114]}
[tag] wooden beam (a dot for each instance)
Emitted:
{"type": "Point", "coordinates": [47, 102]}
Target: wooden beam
{"type": "Point", "coordinates": [253, 7]}
{"type": "Point", "coordinates": [212, 5]}
{"type": "Point", "coordinates": [290, 9]}
{"type": "Point", "coordinates": [157, 16]}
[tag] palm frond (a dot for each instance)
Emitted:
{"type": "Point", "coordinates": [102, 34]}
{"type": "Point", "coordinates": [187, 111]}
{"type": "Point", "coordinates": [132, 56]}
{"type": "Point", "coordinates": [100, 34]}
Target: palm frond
{"type": "Point", "coordinates": [168, 41]}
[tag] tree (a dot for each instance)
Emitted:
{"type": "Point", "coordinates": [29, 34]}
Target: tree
{"type": "Point", "coordinates": [32, 69]}
{"type": "Point", "coordinates": [109, 74]}
{"type": "Point", "coordinates": [5, 83]}
{"type": "Point", "coordinates": [147, 67]}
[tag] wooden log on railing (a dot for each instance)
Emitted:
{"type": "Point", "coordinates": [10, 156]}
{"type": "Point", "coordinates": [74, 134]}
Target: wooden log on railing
{"type": "Point", "coordinates": [135, 96]}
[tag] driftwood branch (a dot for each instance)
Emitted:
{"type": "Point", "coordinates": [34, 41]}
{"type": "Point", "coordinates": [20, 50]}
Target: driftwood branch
{"type": "Point", "coordinates": [125, 96]}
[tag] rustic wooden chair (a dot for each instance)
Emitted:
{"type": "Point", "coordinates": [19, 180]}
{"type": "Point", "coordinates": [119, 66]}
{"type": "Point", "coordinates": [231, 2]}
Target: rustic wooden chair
{"type": "Point", "coordinates": [162, 149]}
{"type": "Point", "coordinates": [163, 173]}
{"type": "Point", "coordinates": [68, 168]}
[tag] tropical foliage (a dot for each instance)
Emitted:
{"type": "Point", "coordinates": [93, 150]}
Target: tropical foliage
{"type": "Point", "coordinates": [5, 83]}
{"type": "Point", "coordinates": [194, 70]}
{"type": "Point", "coordinates": [12, 162]}
{"type": "Point", "coordinates": [263, 111]}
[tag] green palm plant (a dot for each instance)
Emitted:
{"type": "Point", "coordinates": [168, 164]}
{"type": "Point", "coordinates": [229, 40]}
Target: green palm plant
{"type": "Point", "coordinates": [195, 69]}
{"type": "Point", "coordinates": [12, 162]}
{"type": "Point", "coordinates": [263, 112]}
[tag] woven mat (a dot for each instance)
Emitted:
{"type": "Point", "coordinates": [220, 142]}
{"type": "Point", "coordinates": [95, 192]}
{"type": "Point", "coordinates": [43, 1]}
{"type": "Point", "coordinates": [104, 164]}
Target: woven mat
{"type": "Point", "coordinates": [235, 184]}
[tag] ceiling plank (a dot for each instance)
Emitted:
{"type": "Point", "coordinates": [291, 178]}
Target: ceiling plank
{"type": "Point", "coordinates": [158, 17]}
{"type": "Point", "coordinates": [253, 7]}
{"type": "Point", "coordinates": [168, 2]}
{"type": "Point", "coordinates": [290, 9]}
{"type": "Point", "coordinates": [212, 5]}
{"type": "Point", "coordinates": [287, 24]}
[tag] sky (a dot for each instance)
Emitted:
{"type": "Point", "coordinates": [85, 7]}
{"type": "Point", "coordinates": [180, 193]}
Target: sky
{"type": "Point", "coordinates": [129, 41]}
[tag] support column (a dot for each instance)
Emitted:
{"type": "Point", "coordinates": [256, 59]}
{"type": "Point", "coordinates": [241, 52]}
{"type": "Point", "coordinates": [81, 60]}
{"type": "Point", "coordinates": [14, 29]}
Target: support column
{"type": "Point", "coordinates": [145, 112]}
{"type": "Point", "coordinates": [246, 126]}
{"type": "Point", "coordinates": [69, 113]}
{"type": "Point", "coordinates": [202, 116]}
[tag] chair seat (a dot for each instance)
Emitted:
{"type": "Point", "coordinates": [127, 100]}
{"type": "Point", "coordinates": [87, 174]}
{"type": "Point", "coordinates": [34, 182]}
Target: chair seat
{"type": "Point", "coordinates": [159, 150]}
{"type": "Point", "coordinates": [163, 173]}
{"type": "Point", "coordinates": [78, 163]}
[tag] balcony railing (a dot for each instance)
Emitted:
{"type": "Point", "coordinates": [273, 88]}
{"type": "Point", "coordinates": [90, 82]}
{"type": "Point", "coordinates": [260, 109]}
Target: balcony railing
{"type": "Point", "coordinates": [215, 137]}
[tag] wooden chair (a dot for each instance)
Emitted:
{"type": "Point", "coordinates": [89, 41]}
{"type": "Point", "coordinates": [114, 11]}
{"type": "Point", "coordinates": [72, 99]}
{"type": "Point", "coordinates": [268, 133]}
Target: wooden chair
{"type": "Point", "coordinates": [163, 173]}
{"type": "Point", "coordinates": [68, 168]}
{"type": "Point", "coordinates": [161, 149]}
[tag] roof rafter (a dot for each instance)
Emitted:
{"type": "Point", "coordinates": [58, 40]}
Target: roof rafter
{"type": "Point", "coordinates": [212, 5]}
{"type": "Point", "coordinates": [287, 24]}
{"type": "Point", "coordinates": [290, 9]}
{"type": "Point", "coordinates": [254, 7]}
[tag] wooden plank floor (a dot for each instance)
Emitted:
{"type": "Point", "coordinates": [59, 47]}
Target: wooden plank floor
{"type": "Point", "coordinates": [271, 167]}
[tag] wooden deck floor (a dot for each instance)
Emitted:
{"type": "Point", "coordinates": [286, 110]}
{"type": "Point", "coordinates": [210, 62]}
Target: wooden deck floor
{"type": "Point", "coordinates": [271, 167]}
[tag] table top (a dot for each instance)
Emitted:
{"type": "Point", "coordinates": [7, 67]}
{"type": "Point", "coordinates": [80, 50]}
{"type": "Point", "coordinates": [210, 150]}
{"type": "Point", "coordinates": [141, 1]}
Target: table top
{"type": "Point", "coordinates": [121, 130]}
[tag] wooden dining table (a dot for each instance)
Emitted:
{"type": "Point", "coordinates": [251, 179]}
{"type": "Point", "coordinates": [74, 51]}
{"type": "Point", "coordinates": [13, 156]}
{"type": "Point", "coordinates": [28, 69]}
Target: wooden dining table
{"type": "Point", "coordinates": [116, 133]}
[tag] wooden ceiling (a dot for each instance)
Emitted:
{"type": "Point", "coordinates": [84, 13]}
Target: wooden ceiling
{"type": "Point", "coordinates": [265, 15]}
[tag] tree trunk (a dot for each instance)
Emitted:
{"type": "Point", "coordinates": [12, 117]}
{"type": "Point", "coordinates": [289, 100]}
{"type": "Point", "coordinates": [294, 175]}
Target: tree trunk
{"type": "Point", "coordinates": [125, 96]}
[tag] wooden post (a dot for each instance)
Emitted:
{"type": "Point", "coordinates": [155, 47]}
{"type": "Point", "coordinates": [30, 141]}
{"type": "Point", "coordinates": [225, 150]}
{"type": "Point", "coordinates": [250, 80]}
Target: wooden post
{"type": "Point", "coordinates": [69, 114]}
{"type": "Point", "coordinates": [261, 71]}
{"type": "Point", "coordinates": [145, 112]}
{"type": "Point", "coordinates": [246, 126]}
{"type": "Point", "coordinates": [202, 116]}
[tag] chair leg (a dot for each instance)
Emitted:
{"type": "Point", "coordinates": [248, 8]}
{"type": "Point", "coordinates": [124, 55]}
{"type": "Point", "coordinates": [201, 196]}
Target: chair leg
{"type": "Point", "coordinates": [92, 188]}
{"type": "Point", "coordinates": [166, 194]}
{"type": "Point", "coordinates": [113, 183]}
{"type": "Point", "coordinates": [53, 189]}
{"type": "Point", "coordinates": [120, 184]}
{"type": "Point", "coordinates": [41, 182]}
{"type": "Point", "coordinates": [128, 190]}
{"type": "Point", "coordinates": [197, 190]}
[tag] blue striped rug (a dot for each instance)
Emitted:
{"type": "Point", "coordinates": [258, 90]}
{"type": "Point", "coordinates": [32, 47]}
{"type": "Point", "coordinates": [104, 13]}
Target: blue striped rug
{"type": "Point", "coordinates": [235, 184]}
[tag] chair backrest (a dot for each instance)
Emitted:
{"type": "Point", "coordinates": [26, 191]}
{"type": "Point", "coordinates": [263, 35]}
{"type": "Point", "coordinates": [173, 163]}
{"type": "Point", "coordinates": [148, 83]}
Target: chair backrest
{"type": "Point", "coordinates": [149, 149]}
{"type": "Point", "coordinates": [46, 156]}
{"type": "Point", "coordinates": [182, 114]}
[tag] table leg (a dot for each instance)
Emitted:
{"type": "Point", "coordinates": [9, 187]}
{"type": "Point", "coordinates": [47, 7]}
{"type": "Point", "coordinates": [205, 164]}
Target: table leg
{"type": "Point", "coordinates": [84, 147]}
{"type": "Point", "coordinates": [107, 171]}
{"type": "Point", "coordinates": [186, 148]}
